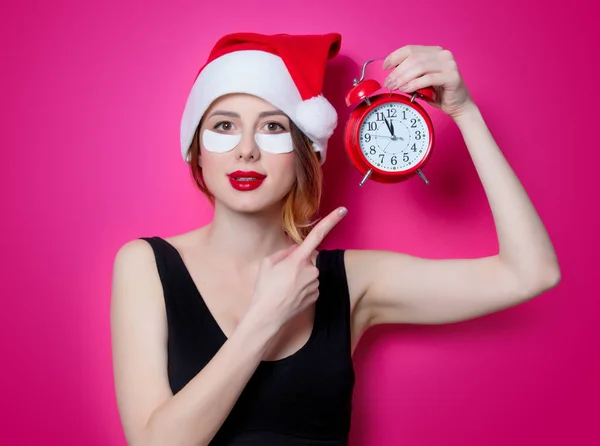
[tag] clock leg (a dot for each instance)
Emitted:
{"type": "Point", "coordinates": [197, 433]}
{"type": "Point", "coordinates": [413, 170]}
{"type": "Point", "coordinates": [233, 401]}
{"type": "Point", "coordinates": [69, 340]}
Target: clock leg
{"type": "Point", "coordinates": [366, 177]}
{"type": "Point", "coordinates": [422, 175]}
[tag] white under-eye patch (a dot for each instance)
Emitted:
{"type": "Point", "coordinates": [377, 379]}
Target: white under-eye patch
{"type": "Point", "coordinates": [275, 142]}
{"type": "Point", "coordinates": [219, 142]}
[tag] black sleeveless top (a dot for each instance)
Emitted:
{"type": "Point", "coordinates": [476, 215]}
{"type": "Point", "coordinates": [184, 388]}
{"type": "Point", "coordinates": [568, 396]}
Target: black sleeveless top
{"type": "Point", "coordinates": [302, 399]}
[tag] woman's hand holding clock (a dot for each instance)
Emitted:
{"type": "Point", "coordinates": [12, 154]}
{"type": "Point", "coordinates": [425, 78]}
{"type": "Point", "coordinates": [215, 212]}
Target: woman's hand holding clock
{"type": "Point", "coordinates": [417, 66]}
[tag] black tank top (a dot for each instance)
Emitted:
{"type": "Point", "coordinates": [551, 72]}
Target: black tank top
{"type": "Point", "coordinates": [303, 399]}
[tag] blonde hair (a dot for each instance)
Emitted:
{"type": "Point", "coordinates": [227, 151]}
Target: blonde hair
{"type": "Point", "coordinates": [301, 204]}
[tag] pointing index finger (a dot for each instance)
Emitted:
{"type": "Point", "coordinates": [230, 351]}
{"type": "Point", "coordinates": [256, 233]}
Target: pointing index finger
{"type": "Point", "coordinates": [319, 232]}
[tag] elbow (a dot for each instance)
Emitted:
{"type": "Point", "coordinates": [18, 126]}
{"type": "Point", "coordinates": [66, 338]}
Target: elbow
{"type": "Point", "coordinates": [543, 280]}
{"type": "Point", "coordinates": [552, 277]}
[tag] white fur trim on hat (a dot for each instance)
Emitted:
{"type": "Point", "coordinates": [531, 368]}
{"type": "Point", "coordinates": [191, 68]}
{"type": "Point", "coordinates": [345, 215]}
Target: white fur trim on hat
{"type": "Point", "coordinates": [264, 75]}
{"type": "Point", "coordinates": [318, 117]}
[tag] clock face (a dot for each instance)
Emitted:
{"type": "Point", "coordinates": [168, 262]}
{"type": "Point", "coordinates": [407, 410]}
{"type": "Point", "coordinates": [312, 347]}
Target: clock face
{"type": "Point", "coordinates": [394, 137]}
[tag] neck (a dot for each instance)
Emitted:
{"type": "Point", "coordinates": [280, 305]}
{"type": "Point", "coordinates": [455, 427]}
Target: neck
{"type": "Point", "coordinates": [245, 238]}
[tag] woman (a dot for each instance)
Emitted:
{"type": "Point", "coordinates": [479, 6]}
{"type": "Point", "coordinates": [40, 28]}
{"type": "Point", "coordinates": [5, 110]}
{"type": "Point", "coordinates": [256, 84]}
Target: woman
{"type": "Point", "coordinates": [241, 332]}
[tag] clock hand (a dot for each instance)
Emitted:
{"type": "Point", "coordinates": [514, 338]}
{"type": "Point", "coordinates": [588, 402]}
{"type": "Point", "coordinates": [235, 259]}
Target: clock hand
{"type": "Point", "coordinates": [393, 138]}
{"type": "Point", "coordinates": [393, 132]}
{"type": "Point", "coordinates": [388, 126]}
{"type": "Point", "coordinates": [385, 148]}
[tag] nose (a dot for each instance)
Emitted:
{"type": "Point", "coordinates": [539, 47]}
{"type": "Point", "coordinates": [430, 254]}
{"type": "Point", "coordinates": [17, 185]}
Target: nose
{"type": "Point", "coordinates": [247, 149]}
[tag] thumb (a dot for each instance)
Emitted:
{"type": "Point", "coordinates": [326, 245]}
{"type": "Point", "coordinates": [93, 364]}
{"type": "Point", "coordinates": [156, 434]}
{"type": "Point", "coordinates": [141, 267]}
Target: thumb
{"type": "Point", "coordinates": [278, 256]}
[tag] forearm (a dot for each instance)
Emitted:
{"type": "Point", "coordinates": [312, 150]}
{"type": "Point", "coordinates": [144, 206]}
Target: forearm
{"type": "Point", "coordinates": [524, 244]}
{"type": "Point", "coordinates": [194, 415]}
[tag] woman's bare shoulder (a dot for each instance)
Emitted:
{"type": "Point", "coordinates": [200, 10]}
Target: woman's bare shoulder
{"type": "Point", "coordinates": [135, 279]}
{"type": "Point", "coordinates": [139, 252]}
{"type": "Point", "coordinates": [131, 252]}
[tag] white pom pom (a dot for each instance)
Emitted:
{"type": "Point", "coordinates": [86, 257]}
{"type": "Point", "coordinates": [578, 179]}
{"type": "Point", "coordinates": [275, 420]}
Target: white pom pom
{"type": "Point", "coordinates": [317, 117]}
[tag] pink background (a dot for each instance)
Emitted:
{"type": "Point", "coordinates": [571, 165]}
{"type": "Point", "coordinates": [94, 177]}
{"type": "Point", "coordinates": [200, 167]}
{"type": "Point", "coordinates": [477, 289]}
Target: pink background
{"type": "Point", "coordinates": [92, 96]}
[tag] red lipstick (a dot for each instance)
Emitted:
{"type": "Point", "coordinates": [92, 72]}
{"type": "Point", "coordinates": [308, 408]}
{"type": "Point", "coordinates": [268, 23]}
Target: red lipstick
{"type": "Point", "coordinates": [246, 180]}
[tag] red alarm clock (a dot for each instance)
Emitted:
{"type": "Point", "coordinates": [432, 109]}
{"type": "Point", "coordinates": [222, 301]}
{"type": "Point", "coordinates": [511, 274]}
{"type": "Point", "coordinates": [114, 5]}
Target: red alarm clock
{"type": "Point", "coordinates": [388, 136]}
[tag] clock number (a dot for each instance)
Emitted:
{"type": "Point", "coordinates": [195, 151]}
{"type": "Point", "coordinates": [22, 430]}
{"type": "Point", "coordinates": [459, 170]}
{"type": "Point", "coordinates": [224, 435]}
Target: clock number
{"type": "Point", "coordinates": [367, 137]}
{"type": "Point", "coordinates": [391, 112]}
{"type": "Point", "coordinates": [394, 160]}
{"type": "Point", "coordinates": [372, 126]}
{"type": "Point", "coordinates": [382, 156]}
{"type": "Point", "coordinates": [405, 157]}
{"type": "Point", "coordinates": [414, 123]}
{"type": "Point", "coordinates": [403, 114]}
{"type": "Point", "coordinates": [372, 150]}
{"type": "Point", "coordinates": [380, 116]}
{"type": "Point", "coordinates": [414, 148]}
{"type": "Point", "coordinates": [418, 134]}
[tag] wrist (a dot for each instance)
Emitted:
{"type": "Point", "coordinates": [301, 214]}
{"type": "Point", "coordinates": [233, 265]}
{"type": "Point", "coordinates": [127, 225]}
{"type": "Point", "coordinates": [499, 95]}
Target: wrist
{"type": "Point", "coordinates": [465, 113]}
{"type": "Point", "coordinates": [255, 330]}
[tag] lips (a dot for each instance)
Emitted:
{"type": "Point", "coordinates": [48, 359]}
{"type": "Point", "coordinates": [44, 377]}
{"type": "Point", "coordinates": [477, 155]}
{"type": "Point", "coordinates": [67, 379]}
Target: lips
{"type": "Point", "coordinates": [246, 180]}
{"type": "Point", "coordinates": [246, 175]}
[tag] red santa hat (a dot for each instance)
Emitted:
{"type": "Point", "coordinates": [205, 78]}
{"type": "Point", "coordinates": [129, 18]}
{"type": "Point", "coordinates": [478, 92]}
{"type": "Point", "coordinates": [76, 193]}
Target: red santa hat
{"type": "Point", "coordinates": [285, 70]}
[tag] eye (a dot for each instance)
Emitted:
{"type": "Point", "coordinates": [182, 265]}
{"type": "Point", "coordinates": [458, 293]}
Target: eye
{"type": "Point", "coordinates": [224, 126]}
{"type": "Point", "coordinates": [274, 127]}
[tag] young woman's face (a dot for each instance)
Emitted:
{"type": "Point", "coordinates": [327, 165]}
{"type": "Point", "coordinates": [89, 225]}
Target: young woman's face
{"type": "Point", "coordinates": [246, 153]}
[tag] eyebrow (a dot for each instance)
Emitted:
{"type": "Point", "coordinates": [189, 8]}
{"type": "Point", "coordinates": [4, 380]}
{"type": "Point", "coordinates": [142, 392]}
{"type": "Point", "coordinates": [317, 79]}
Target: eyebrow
{"type": "Point", "coordinates": [236, 115]}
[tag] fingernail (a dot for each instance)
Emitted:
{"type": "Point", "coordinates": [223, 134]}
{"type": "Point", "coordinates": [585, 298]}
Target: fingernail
{"type": "Point", "coordinates": [343, 211]}
{"type": "Point", "coordinates": [386, 64]}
